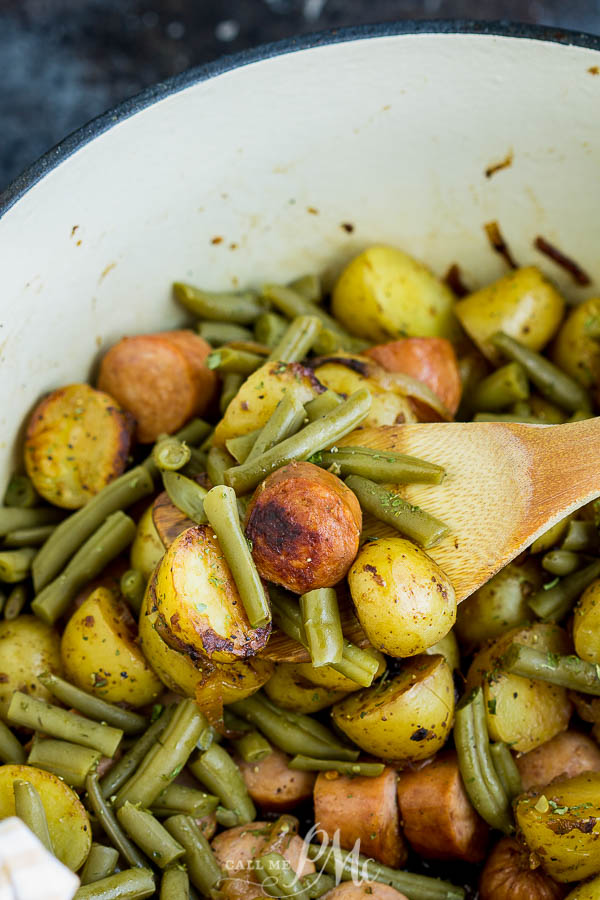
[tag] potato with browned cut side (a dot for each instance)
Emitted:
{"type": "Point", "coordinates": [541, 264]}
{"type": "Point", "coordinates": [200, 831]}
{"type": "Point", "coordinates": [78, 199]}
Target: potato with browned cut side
{"type": "Point", "coordinates": [77, 441]}
{"type": "Point", "coordinates": [364, 809]}
{"type": "Point", "coordinates": [198, 605]}
{"type": "Point", "coordinates": [304, 525]}
{"type": "Point", "coordinates": [273, 786]}
{"type": "Point", "coordinates": [162, 379]}
{"type": "Point", "coordinates": [345, 373]}
{"type": "Point", "coordinates": [565, 755]}
{"type": "Point", "coordinates": [101, 655]}
{"type": "Point", "coordinates": [68, 822]}
{"type": "Point", "coordinates": [195, 675]}
{"type": "Point", "coordinates": [438, 818]}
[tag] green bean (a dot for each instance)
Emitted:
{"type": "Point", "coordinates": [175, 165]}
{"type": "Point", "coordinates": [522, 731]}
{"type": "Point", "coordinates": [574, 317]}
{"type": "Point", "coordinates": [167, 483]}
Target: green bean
{"type": "Point", "coordinates": [15, 602]}
{"type": "Point", "coordinates": [581, 415]}
{"type": "Point", "coordinates": [293, 733]}
{"type": "Point", "coordinates": [101, 862]}
{"type": "Point", "coordinates": [29, 537]}
{"type": "Point", "coordinates": [93, 707]}
{"type": "Point", "coordinates": [29, 808]}
{"type": "Point", "coordinates": [71, 762]}
{"type": "Point", "coordinates": [476, 765]}
{"type": "Point", "coordinates": [2, 601]}
{"type": "Point", "coordinates": [77, 528]}
{"type": "Point", "coordinates": [163, 762]}
{"type": "Point", "coordinates": [287, 418]}
{"type": "Point", "coordinates": [15, 565]}
{"type": "Point", "coordinates": [556, 602]}
{"type": "Point", "coordinates": [11, 750]}
{"type": "Point", "coordinates": [187, 495]}
{"type": "Point", "coordinates": [20, 492]}
{"type": "Point", "coordinates": [209, 736]}
{"type": "Point", "coordinates": [108, 542]}
{"type": "Point", "coordinates": [292, 304]}
{"type": "Point", "coordinates": [194, 432]}
{"type": "Point", "coordinates": [322, 404]}
{"type": "Point", "coordinates": [356, 664]}
{"type": "Point", "coordinates": [252, 746]}
{"type": "Point", "coordinates": [308, 764]}
{"type": "Point", "coordinates": [521, 408]}
{"type": "Point", "coordinates": [317, 883]}
{"type": "Point", "coordinates": [231, 361]}
{"type": "Point", "coordinates": [124, 768]}
{"type": "Point", "coordinates": [389, 507]}
{"type": "Point", "coordinates": [203, 869]}
{"type": "Point", "coordinates": [551, 381]}
{"type": "Point", "coordinates": [150, 836]}
{"type": "Point", "coordinates": [309, 286]}
{"type": "Point", "coordinates": [197, 463]}
{"type": "Point", "coordinates": [241, 308]}
{"type": "Point", "coordinates": [378, 465]}
{"type": "Point", "coordinates": [177, 798]}
{"type": "Point", "coordinates": [109, 824]}
{"type": "Point", "coordinates": [219, 333]}
{"type": "Point", "coordinates": [561, 562]}
{"type": "Point", "coordinates": [504, 386]}
{"type": "Point", "coordinates": [133, 588]}
{"type": "Point", "coordinates": [227, 818]}
{"type": "Point", "coordinates": [350, 866]}
{"type": "Point", "coordinates": [13, 518]}
{"type": "Point", "coordinates": [313, 437]}
{"type": "Point", "coordinates": [232, 382]}
{"type": "Point", "coordinates": [217, 771]}
{"type": "Point", "coordinates": [581, 537]}
{"type": "Point", "coordinates": [221, 509]}
{"type": "Point", "coordinates": [175, 884]}
{"type": "Point", "coordinates": [240, 447]}
{"type": "Point", "coordinates": [170, 454]}
{"type": "Point", "coordinates": [277, 877]}
{"type": "Point", "coordinates": [30, 712]}
{"type": "Point", "coordinates": [509, 417]}
{"type": "Point", "coordinates": [567, 671]}
{"type": "Point", "coordinates": [269, 328]}
{"type": "Point", "coordinates": [130, 884]}
{"type": "Point", "coordinates": [322, 626]}
{"type": "Point", "coordinates": [507, 770]}
{"type": "Point", "coordinates": [297, 339]}
{"type": "Point", "coordinates": [219, 461]}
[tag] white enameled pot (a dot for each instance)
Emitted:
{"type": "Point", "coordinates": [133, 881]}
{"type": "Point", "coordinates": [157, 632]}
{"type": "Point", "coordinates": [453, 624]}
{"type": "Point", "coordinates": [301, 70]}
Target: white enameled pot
{"type": "Point", "coordinates": [255, 168]}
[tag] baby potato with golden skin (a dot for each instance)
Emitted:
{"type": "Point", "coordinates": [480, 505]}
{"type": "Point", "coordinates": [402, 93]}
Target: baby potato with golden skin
{"type": "Point", "coordinates": [304, 525]}
{"type": "Point", "coordinates": [28, 648]}
{"type": "Point", "coordinates": [407, 719]}
{"type": "Point", "coordinates": [404, 601]}
{"type": "Point", "coordinates": [101, 655]}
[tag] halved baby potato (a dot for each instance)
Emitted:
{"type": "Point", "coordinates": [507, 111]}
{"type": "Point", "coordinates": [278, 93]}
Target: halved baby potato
{"type": "Point", "coordinates": [521, 712]}
{"type": "Point", "coordinates": [77, 441]}
{"type": "Point", "coordinates": [255, 402]}
{"type": "Point", "coordinates": [345, 374]}
{"type": "Point", "coordinates": [325, 676]}
{"type": "Point", "coordinates": [406, 719]}
{"type": "Point", "coordinates": [101, 655]}
{"type": "Point", "coordinates": [28, 648]}
{"type": "Point", "coordinates": [147, 548]}
{"type": "Point", "coordinates": [198, 604]}
{"type": "Point", "coordinates": [197, 676]}
{"type": "Point", "coordinates": [68, 822]}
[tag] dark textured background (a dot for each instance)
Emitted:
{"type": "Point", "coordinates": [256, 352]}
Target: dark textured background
{"type": "Point", "coordinates": [63, 62]}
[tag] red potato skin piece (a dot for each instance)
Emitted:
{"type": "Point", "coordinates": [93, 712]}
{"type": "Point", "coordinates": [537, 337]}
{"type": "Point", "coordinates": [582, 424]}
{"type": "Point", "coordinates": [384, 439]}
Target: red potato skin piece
{"type": "Point", "coordinates": [304, 524]}
{"type": "Point", "coordinates": [273, 786]}
{"type": "Point", "coordinates": [438, 819]}
{"type": "Point", "coordinates": [161, 379]}
{"type": "Point", "coordinates": [363, 809]}
{"type": "Point", "coordinates": [565, 755]}
{"type": "Point", "coordinates": [430, 360]}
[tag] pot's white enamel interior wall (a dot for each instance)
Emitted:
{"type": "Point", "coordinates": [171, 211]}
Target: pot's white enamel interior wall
{"type": "Point", "coordinates": [252, 175]}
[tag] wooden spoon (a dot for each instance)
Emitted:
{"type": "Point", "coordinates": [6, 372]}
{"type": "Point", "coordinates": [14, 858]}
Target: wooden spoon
{"type": "Point", "coordinates": [505, 485]}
